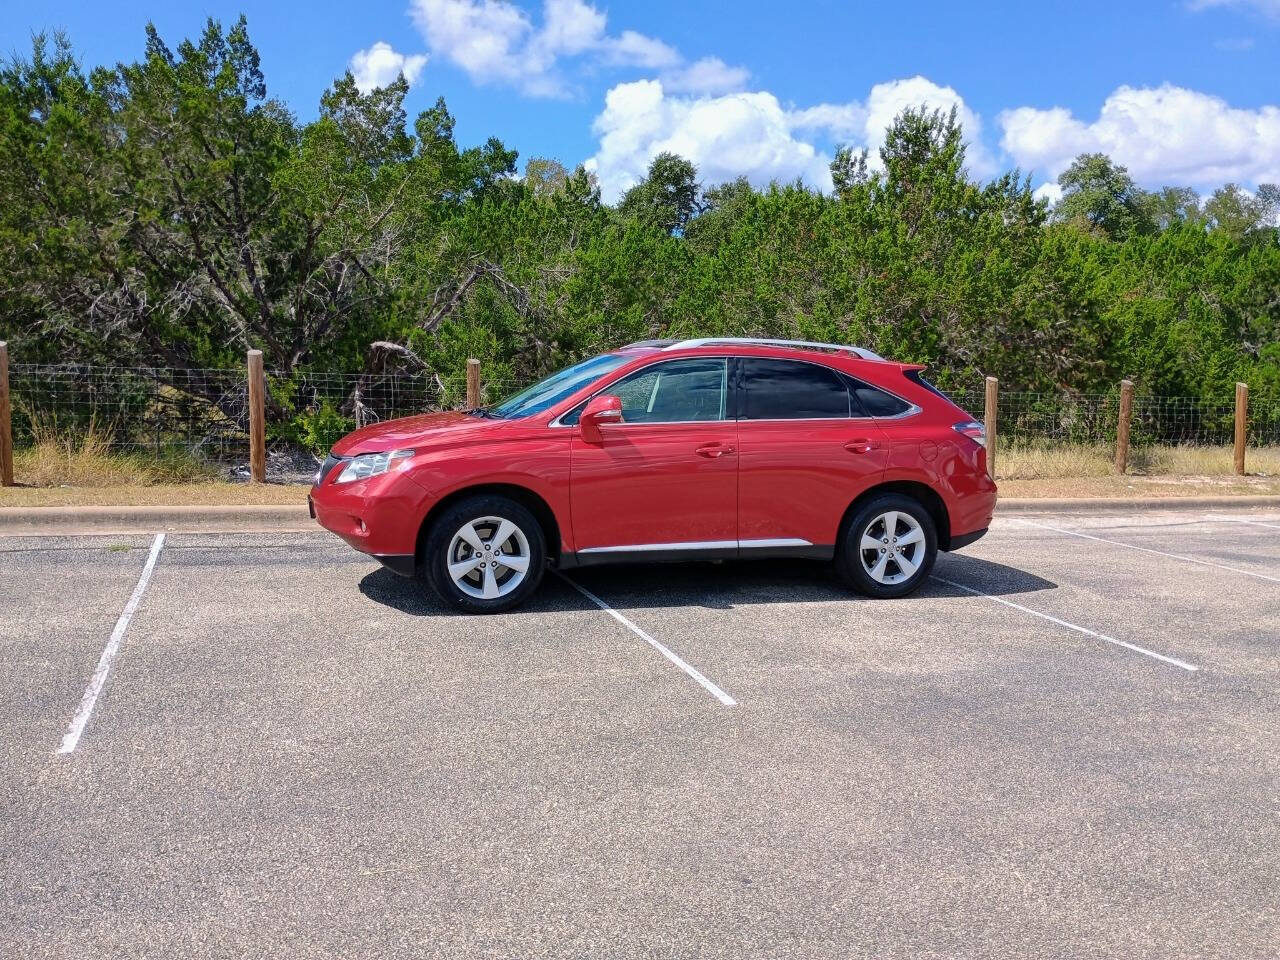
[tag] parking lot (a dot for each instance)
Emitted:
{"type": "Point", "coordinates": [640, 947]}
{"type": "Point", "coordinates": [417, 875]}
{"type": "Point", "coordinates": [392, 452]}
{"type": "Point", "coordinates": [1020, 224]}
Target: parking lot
{"type": "Point", "coordinates": [1068, 743]}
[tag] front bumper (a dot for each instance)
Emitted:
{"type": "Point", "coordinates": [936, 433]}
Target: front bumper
{"type": "Point", "coordinates": [380, 515]}
{"type": "Point", "coordinates": [404, 564]}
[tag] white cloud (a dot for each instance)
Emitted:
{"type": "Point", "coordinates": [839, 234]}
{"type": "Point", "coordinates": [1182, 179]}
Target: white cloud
{"type": "Point", "coordinates": [751, 134]}
{"type": "Point", "coordinates": [1048, 191]}
{"type": "Point", "coordinates": [1270, 8]}
{"type": "Point", "coordinates": [863, 123]}
{"type": "Point", "coordinates": [708, 75]}
{"type": "Point", "coordinates": [571, 26]}
{"type": "Point", "coordinates": [632, 49]}
{"type": "Point", "coordinates": [888, 100]}
{"type": "Point", "coordinates": [380, 65]}
{"type": "Point", "coordinates": [495, 41]}
{"type": "Point", "coordinates": [727, 136]}
{"type": "Point", "coordinates": [1163, 135]}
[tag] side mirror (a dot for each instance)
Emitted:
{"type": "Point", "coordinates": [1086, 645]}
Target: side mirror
{"type": "Point", "coordinates": [600, 410]}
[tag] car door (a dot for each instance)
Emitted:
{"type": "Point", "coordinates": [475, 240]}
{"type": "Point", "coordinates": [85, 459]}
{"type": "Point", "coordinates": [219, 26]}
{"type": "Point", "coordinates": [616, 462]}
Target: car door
{"type": "Point", "coordinates": [805, 451]}
{"type": "Point", "coordinates": [664, 479]}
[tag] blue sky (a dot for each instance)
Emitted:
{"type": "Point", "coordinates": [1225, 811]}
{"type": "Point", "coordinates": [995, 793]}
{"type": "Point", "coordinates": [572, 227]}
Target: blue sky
{"type": "Point", "coordinates": [1181, 91]}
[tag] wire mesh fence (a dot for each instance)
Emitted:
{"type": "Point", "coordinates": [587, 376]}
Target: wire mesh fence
{"type": "Point", "coordinates": [134, 408]}
{"type": "Point", "coordinates": [1051, 418]}
{"type": "Point", "coordinates": [205, 412]}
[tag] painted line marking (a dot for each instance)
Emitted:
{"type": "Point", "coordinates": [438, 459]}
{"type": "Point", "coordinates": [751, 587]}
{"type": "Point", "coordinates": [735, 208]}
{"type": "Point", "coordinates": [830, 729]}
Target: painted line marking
{"type": "Point", "coordinates": [85, 711]}
{"type": "Point", "coordinates": [706, 684]}
{"type": "Point", "coordinates": [1070, 626]}
{"type": "Point", "coordinates": [1159, 553]}
{"type": "Point", "coordinates": [1255, 523]}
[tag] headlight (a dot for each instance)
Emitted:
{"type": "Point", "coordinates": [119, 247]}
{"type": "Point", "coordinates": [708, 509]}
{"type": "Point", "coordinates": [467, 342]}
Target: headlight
{"type": "Point", "coordinates": [371, 464]}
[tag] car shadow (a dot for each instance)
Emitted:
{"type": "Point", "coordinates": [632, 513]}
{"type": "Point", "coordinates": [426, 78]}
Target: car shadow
{"type": "Point", "coordinates": [714, 586]}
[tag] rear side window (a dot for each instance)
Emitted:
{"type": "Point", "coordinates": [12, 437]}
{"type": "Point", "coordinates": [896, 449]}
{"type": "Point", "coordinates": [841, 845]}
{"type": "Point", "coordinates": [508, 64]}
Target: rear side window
{"type": "Point", "coordinates": [914, 377]}
{"type": "Point", "coordinates": [787, 390]}
{"type": "Point", "coordinates": [875, 402]}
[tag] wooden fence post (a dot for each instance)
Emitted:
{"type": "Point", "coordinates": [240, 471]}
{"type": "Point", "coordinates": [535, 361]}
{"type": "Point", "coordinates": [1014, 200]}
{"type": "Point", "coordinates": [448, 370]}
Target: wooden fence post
{"type": "Point", "coordinates": [257, 419]}
{"type": "Point", "coordinates": [6, 424]}
{"type": "Point", "coordinates": [1122, 428]}
{"type": "Point", "coordinates": [1242, 424]}
{"type": "Point", "coordinates": [990, 424]}
{"type": "Point", "coordinates": [473, 384]}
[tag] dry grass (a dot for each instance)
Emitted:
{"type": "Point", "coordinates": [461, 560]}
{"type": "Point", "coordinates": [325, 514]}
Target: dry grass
{"type": "Point", "coordinates": [1073, 461]}
{"type": "Point", "coordinates": [218, 493]}
{"type": "Point", "coordinates": [1206, 461]}
{"type": "Point", "coordinates": [61, 469]}
{"type": "Point", "coordinates": [84, 458]}
{"type": "Point", "coordinates": [1088, 470]}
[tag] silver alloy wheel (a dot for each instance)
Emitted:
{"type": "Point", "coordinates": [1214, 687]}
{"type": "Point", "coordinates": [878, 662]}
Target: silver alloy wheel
{"type": "Point", "coordinates": [892, 547]}
{"type": "Point", "coordinates": [488, 558]}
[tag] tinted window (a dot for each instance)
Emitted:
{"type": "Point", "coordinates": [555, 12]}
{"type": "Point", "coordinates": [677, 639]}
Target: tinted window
{"type": "Point", "coordinates": [786, 390]}
{"type": "Point", "coordinates": [875, 402]}
{"type": "Point", "coordinates": [677, 391]}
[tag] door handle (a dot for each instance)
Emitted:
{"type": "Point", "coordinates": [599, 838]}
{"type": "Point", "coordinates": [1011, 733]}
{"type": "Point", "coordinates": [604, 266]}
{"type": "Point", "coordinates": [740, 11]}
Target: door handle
{"type": "Point", "coordinates": [713, 450]}
{"type": "Point", "coordinates": [860, 445]}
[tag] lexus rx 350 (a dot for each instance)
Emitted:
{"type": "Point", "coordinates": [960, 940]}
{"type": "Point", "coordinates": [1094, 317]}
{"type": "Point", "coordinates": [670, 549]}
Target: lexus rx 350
{"type": "Point", "coordinates": [698, 449]}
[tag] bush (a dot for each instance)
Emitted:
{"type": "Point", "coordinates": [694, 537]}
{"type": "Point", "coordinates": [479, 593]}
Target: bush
{"type": "Point", "coordinates": [320, 429]}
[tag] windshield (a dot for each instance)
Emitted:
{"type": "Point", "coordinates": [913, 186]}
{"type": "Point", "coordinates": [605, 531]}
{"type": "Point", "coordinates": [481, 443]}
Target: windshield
{"type": "Point", "coordinates": [547, 393]}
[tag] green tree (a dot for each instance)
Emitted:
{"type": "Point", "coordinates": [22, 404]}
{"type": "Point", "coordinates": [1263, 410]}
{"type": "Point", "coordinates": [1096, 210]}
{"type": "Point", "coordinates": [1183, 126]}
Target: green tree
{"type": "Point", "coordinates": [1100, 194]}
{"type": "Point", "coordinates": [1239, 213]}
{"type": "Point", "coordinates": [668, 196]}
{"type": "Point", "coordinates": [1169, 206]}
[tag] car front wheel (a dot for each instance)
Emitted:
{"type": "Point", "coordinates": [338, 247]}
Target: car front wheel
{"type": "Point", "coordinates": [485, 554]}
{"type": "Point", "coordinates": [888, 547]}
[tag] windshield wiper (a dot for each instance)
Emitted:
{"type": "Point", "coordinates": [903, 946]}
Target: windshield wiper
{"type": "Point", "coordinates": [482, 412]}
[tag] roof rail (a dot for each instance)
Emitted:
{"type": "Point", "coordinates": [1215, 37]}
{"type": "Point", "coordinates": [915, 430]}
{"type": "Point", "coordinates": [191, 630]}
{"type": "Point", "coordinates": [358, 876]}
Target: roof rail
{"type": "Point", "coordinates": [860, 352]}
{"type": "Point", "coordinates": [647, 343]}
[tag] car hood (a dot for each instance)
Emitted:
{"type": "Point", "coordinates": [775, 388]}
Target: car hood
{"type": "Point", "coordinates": [428, 429]}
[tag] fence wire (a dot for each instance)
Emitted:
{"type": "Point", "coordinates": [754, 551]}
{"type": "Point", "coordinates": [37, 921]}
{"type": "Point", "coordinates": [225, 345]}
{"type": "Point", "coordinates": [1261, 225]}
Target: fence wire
{"type": "Point", "coordinates": [205, 412]}
{"type": "Point", "coordinates": [133, 408]}
{"type": "Point", "coordinates": [1049, 418]}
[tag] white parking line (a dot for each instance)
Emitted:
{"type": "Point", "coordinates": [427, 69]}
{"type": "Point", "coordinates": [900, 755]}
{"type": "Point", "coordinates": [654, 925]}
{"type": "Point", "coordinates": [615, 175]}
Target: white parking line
{"type": "Point", "coordinates": [1159, 553]}
{"type": "Point", "coordinates": [1070, 626]}
{"type": "Point", "coordinates": [707, 685]}
{"type": "Point", "coordinates": [1255, 523]}
{"type": "Point", "coordinates": [81, 719]}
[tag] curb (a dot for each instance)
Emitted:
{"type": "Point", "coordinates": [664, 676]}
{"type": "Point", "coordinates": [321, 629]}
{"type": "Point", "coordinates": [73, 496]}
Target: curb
{"type": "Point", "coordinates": [249, 518]}
{"type": "Point", "coordinates": [261, 518]}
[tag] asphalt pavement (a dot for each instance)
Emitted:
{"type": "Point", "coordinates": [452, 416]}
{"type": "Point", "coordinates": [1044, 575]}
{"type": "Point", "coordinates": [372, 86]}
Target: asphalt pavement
{"type": "Point", "coordinates": [1066, 744]}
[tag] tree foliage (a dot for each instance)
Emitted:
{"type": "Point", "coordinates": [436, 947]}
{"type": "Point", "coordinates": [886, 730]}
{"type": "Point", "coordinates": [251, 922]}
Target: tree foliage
{"type": "Point", "coordinates": [167, 212]}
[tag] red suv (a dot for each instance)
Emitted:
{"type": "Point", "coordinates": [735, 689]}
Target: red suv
{"type": "Point", "coordinates": [663, 450]}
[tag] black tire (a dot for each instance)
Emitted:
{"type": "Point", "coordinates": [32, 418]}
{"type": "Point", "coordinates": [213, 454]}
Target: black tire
{"type": "Point", "coordinates": [439, 545]}
{"type": "Point", "coordinates": [870, 519]}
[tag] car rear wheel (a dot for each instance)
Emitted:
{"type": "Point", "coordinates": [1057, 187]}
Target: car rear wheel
{"type": "Point", "coordinates": [485, 554]}
{"type": "Point", "coordinates": [888, 547]}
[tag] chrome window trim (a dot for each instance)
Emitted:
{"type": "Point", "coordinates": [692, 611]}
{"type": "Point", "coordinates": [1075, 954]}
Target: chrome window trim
{"type": "Point", "coordinates": [911, 411]}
